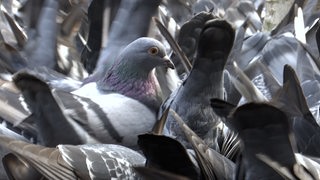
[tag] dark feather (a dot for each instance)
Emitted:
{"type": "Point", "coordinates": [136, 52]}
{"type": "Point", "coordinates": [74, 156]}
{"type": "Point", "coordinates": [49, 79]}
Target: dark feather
{"type": "Point", "coordinates": [17, 168]}
{"type": "Point", "coordinates": [155, 174]}
{"type": "Point", "coordinates": [263, 129]}
{"type": "Point", "coordinates": [167, 154]}
{"type": "Point", "coordinates": [191, 100]}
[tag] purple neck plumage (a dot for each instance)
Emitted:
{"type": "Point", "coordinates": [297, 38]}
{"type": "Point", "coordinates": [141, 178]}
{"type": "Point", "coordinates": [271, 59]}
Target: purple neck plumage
{"type": "Point", "coordinates": [142, 88]}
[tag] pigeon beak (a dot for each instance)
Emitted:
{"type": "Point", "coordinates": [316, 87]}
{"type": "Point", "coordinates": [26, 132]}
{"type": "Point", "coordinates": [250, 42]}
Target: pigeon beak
{"type": "Point", "coordinates": [168, 63]}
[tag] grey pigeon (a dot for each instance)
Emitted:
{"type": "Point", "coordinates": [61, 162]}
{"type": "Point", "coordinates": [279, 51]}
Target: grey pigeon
{"type": "Point", "coordinates": [114, 110]}
{"type": "Point", "coordinates": [132, 74]}
{"type": "Point", "coordinates": [135, 14]}
{"type": "Point", "coordinates": [254, 123]}
{"type": "Point", "coordinates": [205, 81]}
{"type": "Point", "coordinates": [94, 161]}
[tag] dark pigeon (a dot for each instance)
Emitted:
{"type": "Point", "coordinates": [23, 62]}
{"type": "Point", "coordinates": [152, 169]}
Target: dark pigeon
{"type": "Point", "coordinates": [264, 132]}
{"type": "Point", "coordinates": [305, 127]}
{"type": "Point", "coordinates": [189, 36]}
{"type": "Point", "coordinates": [191, 100]}
{"type": "Point", "coordinates": [132, 74]}
{"type": "Point", "coordinates": [90, 52]}
{"type": "Point", "coordinates": [167, 154]}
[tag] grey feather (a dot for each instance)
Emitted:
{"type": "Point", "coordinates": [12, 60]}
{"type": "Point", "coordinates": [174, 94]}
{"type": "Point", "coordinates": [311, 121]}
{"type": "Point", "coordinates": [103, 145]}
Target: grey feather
{"type": "Point", "coordinates": [77, 162]}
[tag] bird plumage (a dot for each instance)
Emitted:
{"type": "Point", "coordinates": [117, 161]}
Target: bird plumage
{"type": "Point", "coordinates": [129, 96]}
{"type": "Point", "coordinates": [130, 13]}
{"type": "Point", "coordinates": [95, 161]}
{"type": "Point", "coordinates": [191, 100]}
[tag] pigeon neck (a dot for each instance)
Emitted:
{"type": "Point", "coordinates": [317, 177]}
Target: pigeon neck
{"type": "Point", "coordinates": [144, 88]}
{"type": "Point", "coordinates": [206, 78]}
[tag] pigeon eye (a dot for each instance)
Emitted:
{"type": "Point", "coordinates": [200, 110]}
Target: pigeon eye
{"type": "Point", "coordinates": [153, 50]}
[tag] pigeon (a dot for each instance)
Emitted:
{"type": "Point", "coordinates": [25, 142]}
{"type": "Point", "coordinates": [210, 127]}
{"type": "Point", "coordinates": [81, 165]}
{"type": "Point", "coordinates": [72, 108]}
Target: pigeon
{"type": "Point", "coordinates": [308, 74]}
{"type": "Point", "coordinates": [265, 136]}
{"type": "Point", "coordinates": [304, 126]}
{"type": "Point", "coordinates": [264, 154]}
{"type": "Point", "coordinates": [134, 14]}
{"type": "Point", "coordinates": [291, 101]}
{"type": "Point", "coordinates": [167, 156]}
{"type": "Point", "coordinates": [113, 110]}
{"type": "Point", "coordinates": [91, 161]}
{"type": "Point", "coordinates": [205, 81]}
{"type": "Point", "coordinates": [132, 75]}
{"type": "Point", "coordinates": [213, 165]}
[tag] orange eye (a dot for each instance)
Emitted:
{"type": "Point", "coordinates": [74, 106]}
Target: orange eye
{"type": "Point", "coordinates": [153, 50]}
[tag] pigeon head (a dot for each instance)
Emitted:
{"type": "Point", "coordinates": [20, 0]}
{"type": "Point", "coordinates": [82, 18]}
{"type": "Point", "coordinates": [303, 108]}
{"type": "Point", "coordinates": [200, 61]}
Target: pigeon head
{"type": "Point", "coordinates": [257, 115]}
{"type": "Point", "coordinates": [132, 74]}
{"type": "Point", "coordinates": [141, 56]}
{"type": "Point", "coordinates": [217, 37]}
